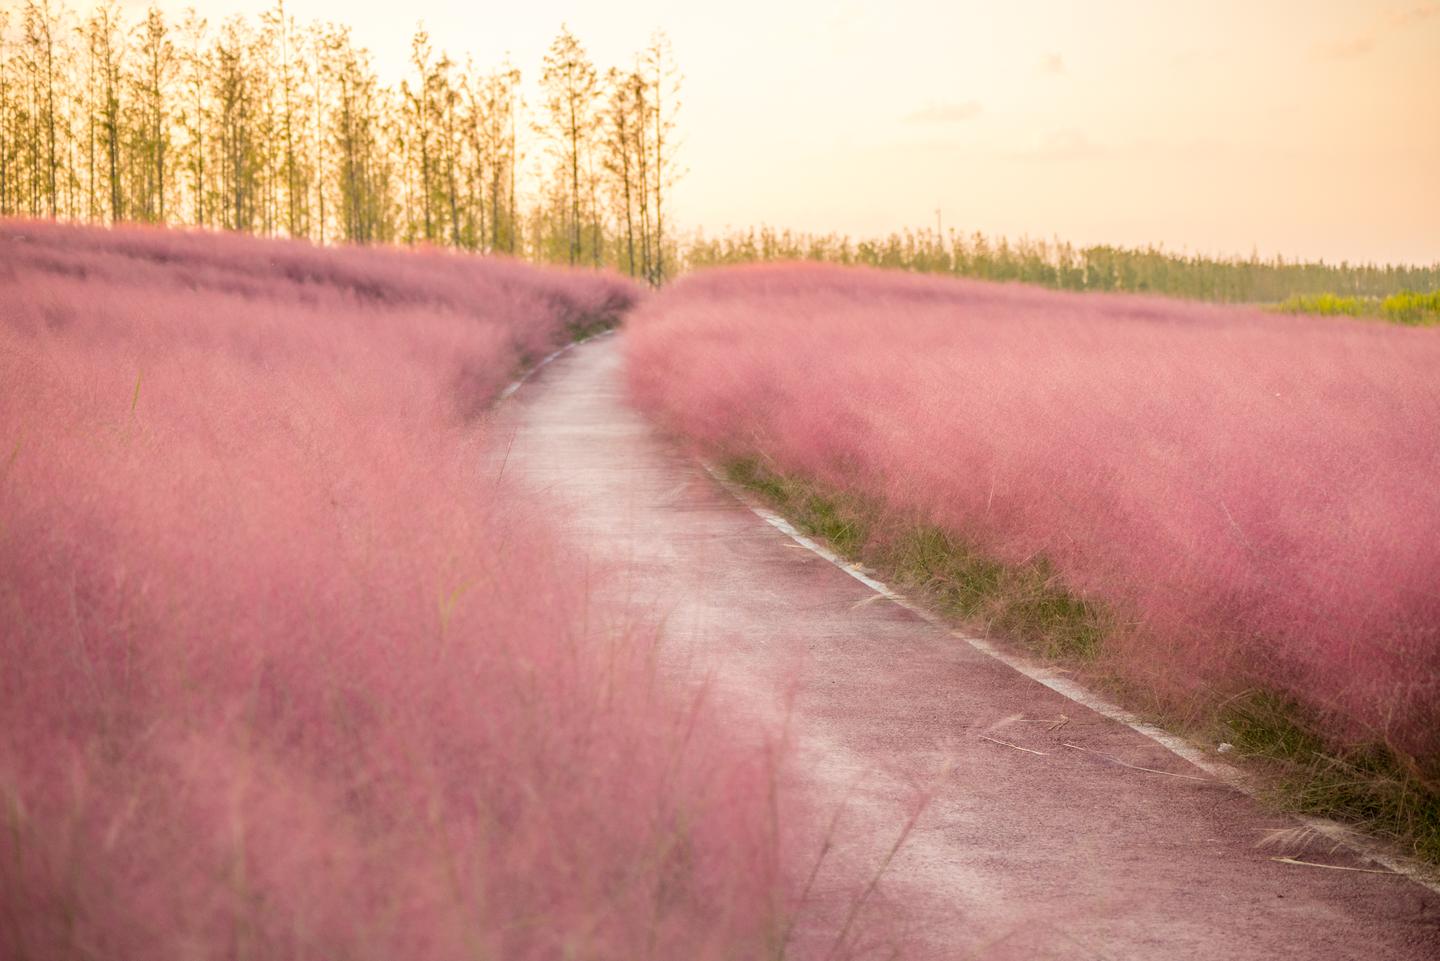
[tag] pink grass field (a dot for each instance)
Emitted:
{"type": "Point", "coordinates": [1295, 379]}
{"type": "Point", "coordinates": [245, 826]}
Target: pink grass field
{"type": "Point", "coordinates": [286, 670]}
{"type": "Point", "coordinates": [1254, 495]}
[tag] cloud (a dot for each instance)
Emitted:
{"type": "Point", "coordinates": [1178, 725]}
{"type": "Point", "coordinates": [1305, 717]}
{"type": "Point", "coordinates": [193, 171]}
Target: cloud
{"type": "Point", "coordinates": [1053, 65]}
{"type": "Point", "coordinates": [1065, 144]}
{"type": "Point", "coordinates": [847, 23]}
{"type": "Point", "coordinates": [1350, 49]}
{"type": "Point", "coordinates": [1068, 144]}
{"type": "Point", "coordinates": [1415, 14]}
{"type": "Point", "coordinates": [943, 113]}
{"type": "Point", "coordinates": [1208, 57]}
{"type": "Point", "coordinates": [1396, 21]}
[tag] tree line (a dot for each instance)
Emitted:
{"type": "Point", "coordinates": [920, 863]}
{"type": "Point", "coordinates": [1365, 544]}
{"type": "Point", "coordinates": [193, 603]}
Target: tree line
{"type": "Point", "coordinates": [273, 127]}
{"type": "Point", "coordinates": [1062, 265]}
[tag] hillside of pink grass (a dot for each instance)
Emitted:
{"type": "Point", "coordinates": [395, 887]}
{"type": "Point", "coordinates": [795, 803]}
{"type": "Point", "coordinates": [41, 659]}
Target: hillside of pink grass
{"type": "Point", "coordinates": [285, 670]}
{"type": "Point", "coordinates": [1255, 495]}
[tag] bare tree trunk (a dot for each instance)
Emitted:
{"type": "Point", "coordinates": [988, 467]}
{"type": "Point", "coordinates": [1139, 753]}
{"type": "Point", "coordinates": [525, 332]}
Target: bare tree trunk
{"type": "Point", "coordinates": [319, 140]}
{"type": "Point", "coordinates": [514, 239]}
{"type": "Point", "coordinates": [574, 182]}
{"type": "Point", "coordinates": [659, 184]}
{"type": "Point", "coordinates": [624, 136]}
{"type": "Point", "coordinates": [642, 159]}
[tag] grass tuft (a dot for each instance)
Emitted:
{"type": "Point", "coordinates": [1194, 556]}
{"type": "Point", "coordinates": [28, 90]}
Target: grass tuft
{"type": "Point", "coordinates": [1024, 603]}
{"type": "Point", "coordinates": [1368, 785]}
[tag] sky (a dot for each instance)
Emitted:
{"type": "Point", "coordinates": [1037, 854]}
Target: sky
{"type": "Point", "coordinates": [1308, 128]}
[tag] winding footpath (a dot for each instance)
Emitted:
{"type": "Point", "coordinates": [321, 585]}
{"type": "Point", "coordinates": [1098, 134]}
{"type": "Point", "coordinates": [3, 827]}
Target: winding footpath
{"type": "Point", "coordinates": [1044, 837]}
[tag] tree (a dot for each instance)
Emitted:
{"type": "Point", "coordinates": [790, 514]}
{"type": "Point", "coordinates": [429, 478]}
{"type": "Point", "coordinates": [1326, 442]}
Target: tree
{"type": "Point", "coordinates": [418, 127]}
{"type": "Point", "coordinates": [290, 69]}
{"type": "Point", "coordinates": [40, 60]}
{"type": "Point", "coordinates": [623, 116]}
{"type": "Point", "coordinates": [7, 119]}
{"type": "Point", "coordinates": [571, 91]}
{"type": "Point", "coordinates": [662, 85]}
{"type": "Point", "coordinates": [444, 100]}
{"type": "Point", "coordinates": [355, 133]}
{"type": "Point", "coordinates": [194, 114]}
{"type": "Point", "coordinates": [317, 104]}
{"type": "Point", "coordinates": [236, 114]}
{"type": "Point", "coordinates": [267, 126]}
{"type": "Point", "coordinates": [491, 119]}
{"type": "Point", "coordinates": [106, 58]}
{"type": "Point", "coordinates": [156, 74]}
{"type": "Point", "coordinates": [640, 100]}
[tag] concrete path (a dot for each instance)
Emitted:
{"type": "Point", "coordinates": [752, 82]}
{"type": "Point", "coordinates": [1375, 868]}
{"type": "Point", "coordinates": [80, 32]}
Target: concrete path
{"type": "Point", "coordinates": [1059, 853]}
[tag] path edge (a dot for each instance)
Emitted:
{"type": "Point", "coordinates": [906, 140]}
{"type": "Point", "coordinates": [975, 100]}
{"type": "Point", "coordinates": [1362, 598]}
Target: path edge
{"type": "Point", "coordinates": [1370, 849]}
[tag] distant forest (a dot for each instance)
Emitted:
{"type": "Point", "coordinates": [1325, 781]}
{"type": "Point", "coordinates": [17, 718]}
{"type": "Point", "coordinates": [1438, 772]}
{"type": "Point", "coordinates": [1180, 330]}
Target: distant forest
{"type": "Point", "coordinates": [274, 127]}
{"type": "Point", "coordinates": [1065, 266]}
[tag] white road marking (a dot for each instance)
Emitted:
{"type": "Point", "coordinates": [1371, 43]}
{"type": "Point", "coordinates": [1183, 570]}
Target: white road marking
{"type": "Point", "coordinates": [516, 384]}
{"type": "Point", "coordinates": [1367, 848]}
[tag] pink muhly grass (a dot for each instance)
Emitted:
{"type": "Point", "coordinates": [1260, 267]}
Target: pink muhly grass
{"type": "Point", "coordinates": [285, 672]}
{"type": "Point", "coordinates": [1254, 494]}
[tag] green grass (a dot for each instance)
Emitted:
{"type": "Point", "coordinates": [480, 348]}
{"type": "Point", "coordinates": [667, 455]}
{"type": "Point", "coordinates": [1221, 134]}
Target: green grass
{"type": "Point", "coordinates": [1024, 603]}
{"type": "Point", "coordinates": [1368, 786]}
{"type": "Point", "coordinates": [593, 325]}
{"type": "Point", "coordinates": [1406, 307]}
{"type": "Point", "coordinates": [840, 521]}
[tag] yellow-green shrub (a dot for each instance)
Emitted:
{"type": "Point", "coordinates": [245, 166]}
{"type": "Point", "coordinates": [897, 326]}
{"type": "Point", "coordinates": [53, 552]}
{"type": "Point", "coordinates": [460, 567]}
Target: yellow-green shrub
{"type": "Point", "coordinates": [1408, 307]}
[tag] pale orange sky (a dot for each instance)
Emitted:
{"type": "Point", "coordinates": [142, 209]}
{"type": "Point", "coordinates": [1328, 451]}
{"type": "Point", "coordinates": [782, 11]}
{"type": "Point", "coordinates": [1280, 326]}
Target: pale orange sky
{"type": "Point", "coordinates": [1304, 127]}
